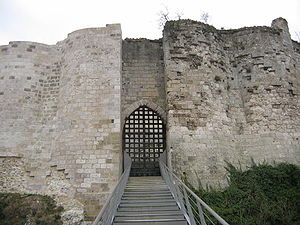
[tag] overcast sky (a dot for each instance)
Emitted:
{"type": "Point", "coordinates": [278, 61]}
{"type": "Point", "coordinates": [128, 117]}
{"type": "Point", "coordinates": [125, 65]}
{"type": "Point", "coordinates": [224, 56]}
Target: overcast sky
{"type": "Point", "coordinates": [49, 21]}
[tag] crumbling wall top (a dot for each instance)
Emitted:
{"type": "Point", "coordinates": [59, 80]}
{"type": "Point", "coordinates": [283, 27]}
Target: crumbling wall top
{"type": "Point", "coordinates": [278, 25]}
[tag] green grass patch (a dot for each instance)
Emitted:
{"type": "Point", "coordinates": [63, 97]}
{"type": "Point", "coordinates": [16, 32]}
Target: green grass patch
{"type": "Point", "coordinates": [262, 195]}
{"type": "Point", "coordinates": [20, 209]}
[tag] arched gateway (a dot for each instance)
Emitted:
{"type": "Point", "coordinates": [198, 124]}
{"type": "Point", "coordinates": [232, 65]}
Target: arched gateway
{"type": "Point", "coordinates": [144, 141]}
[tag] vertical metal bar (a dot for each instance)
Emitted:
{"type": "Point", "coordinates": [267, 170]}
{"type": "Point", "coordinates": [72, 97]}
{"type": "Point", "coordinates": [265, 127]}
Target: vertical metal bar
{"type": "Point", "coordinates": [168, 180]}
{"type": "Point", "coordinates": [181, 199]}
{"type": "Point", "coordinates": [170, 183]}
{"type": "Point", "coordinates": [175, 190]}
{"type": "Point", "coordinates": [142, 117]}
{"type": "Point", "coordinates": [201, 214]}
{"type": "Point", "coordinates": [189, 208]}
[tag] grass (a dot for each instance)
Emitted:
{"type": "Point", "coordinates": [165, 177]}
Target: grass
{"type": "Point", "coordinates": [262, 195]}
{"type": "Point", "coordinates": [20, 209]}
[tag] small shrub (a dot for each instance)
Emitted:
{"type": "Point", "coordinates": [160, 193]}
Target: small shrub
{"type": "Point", "coordinates": [18, 209]}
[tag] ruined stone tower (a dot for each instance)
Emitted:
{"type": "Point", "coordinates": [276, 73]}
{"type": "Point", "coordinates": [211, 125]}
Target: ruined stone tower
{"type": "Point", "coordinates": [206, 96]}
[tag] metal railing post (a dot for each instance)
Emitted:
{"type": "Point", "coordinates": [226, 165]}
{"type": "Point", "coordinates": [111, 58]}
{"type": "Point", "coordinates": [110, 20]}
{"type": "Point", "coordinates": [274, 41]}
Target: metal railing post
{"type": "Point", "coordinates": [201, 214]}
{"type": "Point", "coordinates": [189, 208]}
{"type": "Point", "coordinates": [180, 199]}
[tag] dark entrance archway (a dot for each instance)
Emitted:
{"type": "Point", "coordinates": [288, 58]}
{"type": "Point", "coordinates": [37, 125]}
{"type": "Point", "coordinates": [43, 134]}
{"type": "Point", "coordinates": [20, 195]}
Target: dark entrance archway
{"type": "Point", "coordinates": [144, 141]}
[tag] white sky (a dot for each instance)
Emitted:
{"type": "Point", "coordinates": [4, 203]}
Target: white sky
{"type": "Point", "coordinates": [49, 21]}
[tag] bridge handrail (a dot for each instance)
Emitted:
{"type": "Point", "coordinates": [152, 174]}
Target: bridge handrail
{"type": "Point", "coordinates": [191, 205]}
{"type": "Point", "coordinates": [109, 209]}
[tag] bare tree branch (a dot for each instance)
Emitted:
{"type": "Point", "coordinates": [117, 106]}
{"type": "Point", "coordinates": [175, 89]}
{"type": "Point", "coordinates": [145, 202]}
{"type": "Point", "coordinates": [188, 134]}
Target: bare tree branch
{"type": "Point", "coordinates": [179, 15]}
{"type": "Point", "coordinates": [163, 17]}
{"type": "Point", "coordinates": [204, 17]}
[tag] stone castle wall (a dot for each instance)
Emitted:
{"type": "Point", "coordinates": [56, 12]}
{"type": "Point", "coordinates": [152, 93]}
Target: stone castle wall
{"type": "Point", "coordinates": [27, 102]}
{"type": "Point", "coordinates": [60, 119]}
{"type": "Point", "coordinates": [232, 96]}
{"type": "Point", "coordinates": [225, 95]}
{"type": "Point", "coordinates": [142, 75]}
{"type": "Point", "coordinates": [200, 133]}
{"type": "Point", "coordinates": [25, 67]}
{"type": "Point", "coordinates": [87, 145]}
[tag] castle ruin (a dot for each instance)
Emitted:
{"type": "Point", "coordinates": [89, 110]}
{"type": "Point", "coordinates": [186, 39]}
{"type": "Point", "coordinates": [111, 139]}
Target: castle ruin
{"type": "Point", "coordinates": [205, 96]}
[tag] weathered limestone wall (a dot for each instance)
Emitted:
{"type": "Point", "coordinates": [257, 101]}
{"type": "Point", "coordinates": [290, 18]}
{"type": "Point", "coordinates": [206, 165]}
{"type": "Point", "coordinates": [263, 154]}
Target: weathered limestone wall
{"type": "Point", "coordinates": [142, 74]}
{"type": "Point", "coordinates": [267, 69]}
{"type": "Point", "coordinates": [12, 174]}
{"type": "Point", "coordinates": [29, 83]}
{"type": "Point", "coordinates": [88, 142]}
{"type": "Point", "coordinates": [24, 68]}
{"type": "Point", "coordinates": [27, 101]}
{"type": "Point", "coordinates": [231, 95]}
{"type": "Point", "coordinates": [197, 100]}
{"type": "Point", "coordinates": [264, 62]}
{"type": "Point", "coordinates": [60, 117]}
